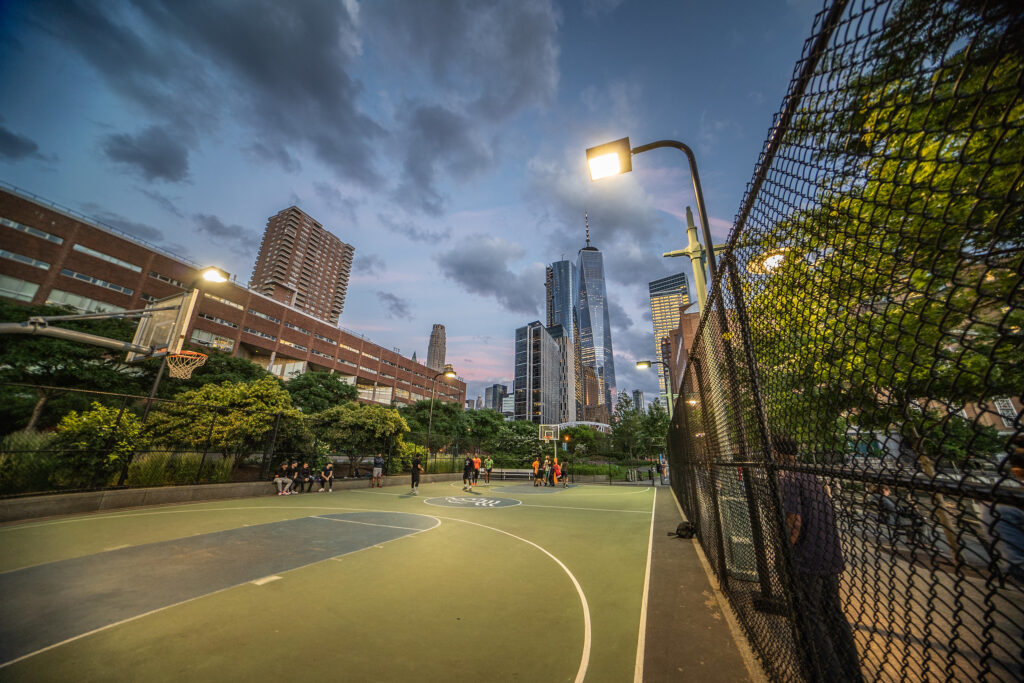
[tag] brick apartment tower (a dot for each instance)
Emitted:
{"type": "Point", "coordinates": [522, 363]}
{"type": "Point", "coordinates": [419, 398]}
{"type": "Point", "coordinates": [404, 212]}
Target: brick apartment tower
{"type": "Point", "coordinates": [303, 265]}
{"type": "Point", "coordinates": [436, 349]}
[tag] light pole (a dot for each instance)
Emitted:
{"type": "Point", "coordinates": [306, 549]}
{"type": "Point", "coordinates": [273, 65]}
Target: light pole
{"type": "Point", "coordinates": [644, 364]}
{"type": "Point", "coordinates": [448, 371]}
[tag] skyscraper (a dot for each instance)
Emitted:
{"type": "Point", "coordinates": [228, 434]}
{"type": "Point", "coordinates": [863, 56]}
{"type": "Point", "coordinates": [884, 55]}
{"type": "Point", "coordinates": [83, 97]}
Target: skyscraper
{"type": "Point", "coordinates": [566, 375]}
{"type": "Point", "coordinates": [494, 395]}
{"type": "Point", "coordinates": [597, 366]}
{"type": "Point", "coordinates": [638, 401]}
{"type": "Point", "coordinates": [536, 387]}
{"type": "Point", "coordinates": [561, 286]}
{"type": "Point", "coordinates": [303, 265]}
{"type": "Point", "coordinates": [667, 295]}
{"type": "Point", "coordinates": [436, 349]}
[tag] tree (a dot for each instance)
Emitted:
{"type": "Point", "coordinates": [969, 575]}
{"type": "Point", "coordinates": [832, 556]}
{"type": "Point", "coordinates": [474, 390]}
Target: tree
{"type": "Point", "coordinates": [359, 430]}
{"type": "Point", "coordinates": [96, 443]}
{"type": "Point", "coordinates": [894, 302]}
{"type": "Point", "coordinates": [519, 439]}
{"type": "Point", "coordinates": [627, 428]}
{"type": "Point", "coordinates": [315, 392]}
{"type": "Point", "coordinates": [44, 362]}
{"type": "Point", "coordinates": [447, 425]}
{"type": "Point", "coordinates": [219, 367]}
{"type": "Point", "coordinates": [233, 417]}
{"type": "Point", "coordinates": [483, 427]}
{"type": "Point", "coordinates": [582, 439]}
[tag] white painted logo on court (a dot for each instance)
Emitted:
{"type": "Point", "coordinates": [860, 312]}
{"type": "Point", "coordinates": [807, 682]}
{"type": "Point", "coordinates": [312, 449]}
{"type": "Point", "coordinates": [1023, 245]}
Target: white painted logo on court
{"type": "Point", "coordinates": [472, 502]}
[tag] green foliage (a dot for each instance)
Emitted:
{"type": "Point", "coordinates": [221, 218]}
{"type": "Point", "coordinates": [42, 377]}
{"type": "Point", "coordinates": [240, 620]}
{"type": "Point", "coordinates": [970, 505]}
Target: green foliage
{"type": "Point", "coordinates": [314, 392]}
{"type": "Point", "coordinates": [96, 444]}
{"type": "Point", "coordinates": [219, 367]}
{"type": "Point", "coordinates": [358, 430]}
{"type": "Point", "coordinates": [401, 457]}
{"type": "Point", "coordinates": [148, 469]}
{"type": "Point", "coordinates": [582, 439]}
{"type": "Point", "coordinates": [233, 417]}
{"type": "Point", "coordinates": [26, 463]}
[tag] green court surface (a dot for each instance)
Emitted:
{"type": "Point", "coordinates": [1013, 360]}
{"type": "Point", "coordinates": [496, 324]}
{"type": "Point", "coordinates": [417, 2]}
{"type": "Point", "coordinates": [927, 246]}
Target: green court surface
{"type": "Point", "coordinates": [507, 583]}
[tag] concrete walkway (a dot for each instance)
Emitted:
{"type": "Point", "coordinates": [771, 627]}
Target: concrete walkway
{"type": "Point", "coordinates": [691, 634]}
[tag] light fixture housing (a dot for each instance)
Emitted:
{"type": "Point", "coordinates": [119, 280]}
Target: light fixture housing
{"type": "Point", "coordinates": [643, 364]}
{"type": "Point", "coordinates": [449, 371]}
{"type": "Point", "coordinates": [215, 274]}
{"type": "Point", "coordinates": [611, 158]}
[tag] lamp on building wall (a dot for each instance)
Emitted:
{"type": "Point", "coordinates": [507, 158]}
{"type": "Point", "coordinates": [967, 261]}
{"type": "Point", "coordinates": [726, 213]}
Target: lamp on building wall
{"type": "Point", "coordinates": [448, 371]}
{"type": "Point", "coordinates": [644, 364]}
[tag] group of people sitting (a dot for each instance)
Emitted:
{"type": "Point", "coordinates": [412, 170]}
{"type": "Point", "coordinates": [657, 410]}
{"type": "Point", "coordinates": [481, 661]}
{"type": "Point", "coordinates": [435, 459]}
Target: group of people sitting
{"type": "Point", "coordinates": [550, 473]}
{"type": "Point", "coordinates": [290, 478]}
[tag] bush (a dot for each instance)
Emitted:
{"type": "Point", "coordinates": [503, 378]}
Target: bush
{"type": "Point", "coordinates": [95, 444]}
{"type": "Point", "coordinates": [26, 463]}
{"type": "Point", "coordinates": [149, 469]}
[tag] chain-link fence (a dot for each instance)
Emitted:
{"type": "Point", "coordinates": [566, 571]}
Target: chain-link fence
{"type": "Point", "coordinates": [844, 438]}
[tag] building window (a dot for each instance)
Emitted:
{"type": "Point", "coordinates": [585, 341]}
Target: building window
{"type": "Point", "coordinates": [24, 259]}
{"type": "Point", "coordinates": [224, 301]}
{"type": "Point", "coordinates": [325, 339]}
{"type": "Point", "coordinates": [163, 278]}
{"type": "Point", "coordinates": [260, 334]}
{"type": "Point", "coordinates": [82, 303]}
{"type": "Point", "coordinates": [349, 363]}
{"type": "Point", "coordinates": [1004, 406]}
{"type": "Point", "coordinates": [322, 354]}
{"type": "Point", "coordinates": [96, 281]}
{"type": "Point", "coordinates": [35, 232]}
{"type": "Point", "coordinates": [214, 341]}
{"type": "Point", "coordinates": [108, 258]}
{"type": "Point", "coordinates": [296, 328]}
{"type": "Point", "coordinates": [13, 288]}
{"type": "Point", "coordinates": [300, 347]}
{"type": "Point", "coordinates": [219, 321]}
{"type": "Point", "coordinates": [263, 315]}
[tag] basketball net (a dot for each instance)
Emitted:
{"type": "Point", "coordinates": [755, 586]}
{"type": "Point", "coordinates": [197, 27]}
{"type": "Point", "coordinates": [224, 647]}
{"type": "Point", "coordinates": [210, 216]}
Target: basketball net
{"type": "Point", "coordinates": [180, 365]}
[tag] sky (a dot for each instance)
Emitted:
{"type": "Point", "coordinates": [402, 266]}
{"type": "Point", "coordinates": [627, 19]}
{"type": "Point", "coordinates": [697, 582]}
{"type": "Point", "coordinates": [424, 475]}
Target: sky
{"type": "Point", "coordinates": [443, 139]}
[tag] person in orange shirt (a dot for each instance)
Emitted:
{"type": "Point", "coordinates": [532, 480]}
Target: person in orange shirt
{"type": "Point", "coordinates": [476, 469]}
{"type": "Point", "coordinates": [536, 471]}
{"type": "Point", "coordinates": [558, 471]}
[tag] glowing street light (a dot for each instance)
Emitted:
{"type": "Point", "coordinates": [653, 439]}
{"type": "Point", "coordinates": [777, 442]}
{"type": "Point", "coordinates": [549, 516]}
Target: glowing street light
{"type": "Point", "coordinates": [644, 364]}
{"type": "Point", "coordinates": [214, 274]}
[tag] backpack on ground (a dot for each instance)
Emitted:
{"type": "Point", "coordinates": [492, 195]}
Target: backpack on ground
{"type": "Point", "coordinates": [684, 530]}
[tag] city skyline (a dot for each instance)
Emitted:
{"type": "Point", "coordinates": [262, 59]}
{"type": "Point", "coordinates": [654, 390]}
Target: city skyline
{"type": "Point", "coordinates": [187, 126]}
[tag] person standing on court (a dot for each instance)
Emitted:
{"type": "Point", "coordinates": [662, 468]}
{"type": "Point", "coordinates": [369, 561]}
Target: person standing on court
{"type": "Point", "coordinates": [536, 471]}
{"type": "Point", "coordinates": [817, 562]}
{"type": "Point", "coordinates": [417, 467]}
{"type": "Point", "coordinates": [327, 477]}
{"type": "Point", "coordinates": [378, 470]}
{"type": "Point", "coordinates": [488, 466]}
{"type": "Point", "coordinates": [467, 474]}
{"type": "Point", "coordinates": [476, 469]}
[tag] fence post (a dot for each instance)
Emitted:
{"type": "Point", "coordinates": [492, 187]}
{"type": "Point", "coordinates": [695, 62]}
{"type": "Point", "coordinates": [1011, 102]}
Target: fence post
{"type": "Point", "coordinates": [268, 451]}
{"type": "Point", "coordinates": [113, 437]}
{"type": "Point", "coordinates": [723, 574]}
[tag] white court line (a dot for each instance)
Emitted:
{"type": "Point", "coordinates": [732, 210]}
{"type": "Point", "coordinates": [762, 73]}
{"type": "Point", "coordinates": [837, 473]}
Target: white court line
{"type": "Point", "coordinates": [386, 526]}
{"type": "Point", "coordinates": [206, 595]}
{"type": "Point", "coordinates": [570, 507]}
{"type": "Point", "coordinates": [638, 669]}
{"type": "Point", "coordinates": [581, 673]}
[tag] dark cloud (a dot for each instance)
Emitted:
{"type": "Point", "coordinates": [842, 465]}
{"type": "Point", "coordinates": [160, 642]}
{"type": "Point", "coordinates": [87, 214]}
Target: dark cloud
{"type": "Point", "coordinates": [118, 222]}
{"type": "Point", "coordinates": [620, 320]}
{"type": "Point", "coordinates": [500, 57]}
{"type": "Point", "coordinates": [337, 201]}
{"type": "Point", "coordinates": [368, 264]}
{"type": "Point", "coordinates": [275, 154]}
{"type": "Point", "coordinates": [155, 152]}
{"type": "Point", "coordinates": [279, 69]}
{"type": "Point", "coordinates": [438, 141]}
{"type": "Point", "coordinates": [15, 147]}
{"type": "Point", "coordinates": [480, 264]}
{"type": "Point", "coordinates": [163, 201]}
{"type": "Point", "coordinates": [394, 306]}
{"type": "Point", "coordinates": [409, 230]}
{"type": "Point", "coordinates": [238, 239]}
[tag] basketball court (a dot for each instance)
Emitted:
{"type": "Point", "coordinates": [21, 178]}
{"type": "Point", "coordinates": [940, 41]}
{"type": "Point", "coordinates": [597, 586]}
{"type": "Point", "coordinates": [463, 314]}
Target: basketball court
{"type": "Point", "coordinates": [502, 583]}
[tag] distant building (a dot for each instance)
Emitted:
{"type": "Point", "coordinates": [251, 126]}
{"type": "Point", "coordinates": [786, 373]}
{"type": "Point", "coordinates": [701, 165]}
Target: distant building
{"type": "Point", "coordinates": [302, 265]}
{"type": "Point", "coordinates": [561, 285]}
{"type": "Point", "coordinates": [479, 402]}
{"type": "Point", "coordinates": [508, 407]}
{"type": "Point", "coordinates": [537, 360]}
{"type": "Point", "coordinates": [597, 365]}
{"type": "Point", "coordinates": [494, 395]}
{"type": "Point", "coordinates": [436, 349]}
{"type": "Point", "coordinates": [567, 403]}
{"type": "Point", "coordinates": [668, 294]}
{"type": "Point", "coordinates": [638, 401]}
{"type": "Point", "coordinates": [470, 403]}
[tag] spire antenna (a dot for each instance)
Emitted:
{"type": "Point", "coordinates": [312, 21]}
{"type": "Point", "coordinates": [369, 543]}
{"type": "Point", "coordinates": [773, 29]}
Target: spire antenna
{"type": "Point", "coordinates": [586, 222]}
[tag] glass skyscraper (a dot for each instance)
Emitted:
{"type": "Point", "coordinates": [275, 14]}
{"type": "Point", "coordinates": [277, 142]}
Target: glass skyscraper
{"type": "Point", "coordinates": [597, 367]}
{"type": "Point", "coordinates": [561, 284]}
{"type": "Point", "coordinates": [667, 295]}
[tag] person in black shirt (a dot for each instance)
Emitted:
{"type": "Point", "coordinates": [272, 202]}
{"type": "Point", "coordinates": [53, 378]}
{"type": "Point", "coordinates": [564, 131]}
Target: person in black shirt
{"type": "Point", "coordinates": [378, 470]}
{"type": "Point", "coordinates": [293, 474]}
{"type": "Point", "coordinates": [305, 477]}
{"type": "Point", "coordinates": [327, 477]}
{"type": "Point", "coordinates": [467, 474]}
{"type": "Point", "coordinates": [282, 480]}
{"type": "Point", "coordinates": [417, 467]}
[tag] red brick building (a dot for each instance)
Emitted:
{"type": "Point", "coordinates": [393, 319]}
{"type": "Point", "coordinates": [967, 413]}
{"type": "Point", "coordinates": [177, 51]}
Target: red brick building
{"type": "Point", "coordinates": [49, 255]}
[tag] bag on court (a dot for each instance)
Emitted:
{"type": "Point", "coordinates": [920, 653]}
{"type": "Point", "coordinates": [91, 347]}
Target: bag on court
{"type": "Point", "coordinates": [684, 530]}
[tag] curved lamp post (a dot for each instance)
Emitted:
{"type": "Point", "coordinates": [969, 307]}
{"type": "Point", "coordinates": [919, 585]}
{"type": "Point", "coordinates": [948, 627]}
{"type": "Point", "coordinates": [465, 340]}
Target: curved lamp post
{"type": "Point", "coordinates": [448, 371]}
{"type": "Point", "coordinates": [644, 364]}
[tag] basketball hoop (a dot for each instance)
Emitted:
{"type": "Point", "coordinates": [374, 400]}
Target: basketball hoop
{"type": "Point", "coordinates": [181, 365]}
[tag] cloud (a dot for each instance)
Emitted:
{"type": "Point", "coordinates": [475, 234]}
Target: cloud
{"type": "Point", "coordinates": [15, 147]}
{"type": "Point", "coordinates": [394, 306]}
{"type": "Point", "coordinates": [336, 200]}
{"type": "Point", "coordinates": [118, 222]}
{"type": "Point", "coordinates": [437, 141]}
{"type": "Point", "coordinates": [238, 239]}
{"type": "Point", "coordinates": [620, 320]}
{"type": "Point", "coordinates": [409, 230]}
{"type": "Point", "coordinates": [163, 201]}
{"type": "Point", "coordinates": [368, 264]}
{"type": "Point", "coordinates": [593, 8]}
{"type": "Point", "coordinates": [480, 264]}
{"type": "Point", "coordinates": [275, 154]}
{"type": "Point", "coordinates": [155, 152]}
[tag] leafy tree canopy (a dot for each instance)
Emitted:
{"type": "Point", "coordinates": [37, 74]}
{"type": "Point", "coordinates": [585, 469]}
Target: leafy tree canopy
{"type": "Point", "coordinates": [314, 392]}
